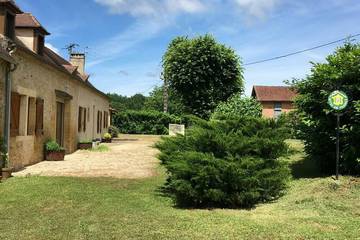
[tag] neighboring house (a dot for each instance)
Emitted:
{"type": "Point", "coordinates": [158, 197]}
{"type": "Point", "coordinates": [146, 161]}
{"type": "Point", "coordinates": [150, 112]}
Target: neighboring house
{"type": "Point", "coordinates": [274, 100]}
{"type": "Point", "coordinates": [51, 98]}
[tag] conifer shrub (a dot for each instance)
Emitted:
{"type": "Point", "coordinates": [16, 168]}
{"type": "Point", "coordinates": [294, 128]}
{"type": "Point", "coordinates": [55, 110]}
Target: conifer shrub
{"type": "Point", "coordinates": [229, 163]}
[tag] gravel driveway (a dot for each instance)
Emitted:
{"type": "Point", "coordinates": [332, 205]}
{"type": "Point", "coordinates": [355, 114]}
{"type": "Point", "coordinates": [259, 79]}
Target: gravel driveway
{"type": "Point", "coordinates": [130, 157]}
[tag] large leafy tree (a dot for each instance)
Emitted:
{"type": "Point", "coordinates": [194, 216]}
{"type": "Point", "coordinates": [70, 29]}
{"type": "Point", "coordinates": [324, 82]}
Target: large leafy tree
{"type": "Point", "coordinates": [202, 72]}
{"type": "Point", "coordinates": [340, 71]}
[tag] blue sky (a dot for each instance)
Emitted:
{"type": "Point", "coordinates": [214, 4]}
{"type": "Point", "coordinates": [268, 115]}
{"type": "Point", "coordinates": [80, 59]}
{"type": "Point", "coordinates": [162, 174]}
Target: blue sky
{"type": "Point", "coordinates": [127, 38]}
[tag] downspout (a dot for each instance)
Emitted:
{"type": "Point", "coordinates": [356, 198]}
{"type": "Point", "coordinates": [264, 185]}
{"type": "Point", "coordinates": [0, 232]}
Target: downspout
{"type": "Point", "coordinates": [10, 68]}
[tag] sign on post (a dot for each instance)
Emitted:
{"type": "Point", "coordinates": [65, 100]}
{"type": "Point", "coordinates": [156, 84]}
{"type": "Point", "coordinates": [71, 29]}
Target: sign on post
{"type": "Point", "coordinates": [338, 101]}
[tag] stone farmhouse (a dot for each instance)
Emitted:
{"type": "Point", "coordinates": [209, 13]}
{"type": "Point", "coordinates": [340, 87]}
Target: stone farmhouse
{"type": "Point", "coordinates": [43, 96]}
{"type": "Point", "coordinates": [274, 100]}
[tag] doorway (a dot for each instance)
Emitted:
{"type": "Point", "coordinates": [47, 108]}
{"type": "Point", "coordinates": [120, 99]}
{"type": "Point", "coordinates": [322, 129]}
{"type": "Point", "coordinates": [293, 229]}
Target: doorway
{"type": "Point", "coordinates": [60, 123]}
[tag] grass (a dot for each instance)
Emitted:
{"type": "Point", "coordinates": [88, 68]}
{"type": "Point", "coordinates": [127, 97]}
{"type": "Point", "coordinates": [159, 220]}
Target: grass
{"type": "Point", "coordinates": [100, 148]}
{"type": "Point", "coordinates": [74, 208]}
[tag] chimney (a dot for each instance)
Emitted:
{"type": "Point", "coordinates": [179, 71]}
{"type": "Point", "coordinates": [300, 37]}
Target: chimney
{"type": "Point", "coordinates": [78, 60]}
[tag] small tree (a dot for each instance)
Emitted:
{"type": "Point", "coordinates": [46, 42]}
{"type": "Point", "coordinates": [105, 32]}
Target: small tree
{"type": "Point", "coordinates": [317, 128]}
{"type": "Point", "coordinates": [238, 106]}
{"type": "Point", "coordinates": [156, 102]}
{"type": "Point", "coordinates": [202, 72]}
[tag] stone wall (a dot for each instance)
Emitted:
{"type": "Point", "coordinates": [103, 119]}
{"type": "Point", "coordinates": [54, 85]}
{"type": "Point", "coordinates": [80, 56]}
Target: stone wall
{"type": "Point", "coordinates": [2, 96]}
{"type": "Point", "coordinates": [36, 79]}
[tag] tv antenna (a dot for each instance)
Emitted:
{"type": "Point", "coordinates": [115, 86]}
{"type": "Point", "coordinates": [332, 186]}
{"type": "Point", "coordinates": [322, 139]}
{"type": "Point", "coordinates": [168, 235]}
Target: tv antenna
{"type": "Point", "coordinates": [71, 47]}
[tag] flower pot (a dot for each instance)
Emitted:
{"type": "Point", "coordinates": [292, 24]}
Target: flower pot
{"type": "Point", "coordinates": [85, 146]}
{"type": "Point", "coordinates": [55, 156]}
{"type": "Point", "coordinates": [6, 173]}
{"type": "Point", "coordinates": [108, 140]}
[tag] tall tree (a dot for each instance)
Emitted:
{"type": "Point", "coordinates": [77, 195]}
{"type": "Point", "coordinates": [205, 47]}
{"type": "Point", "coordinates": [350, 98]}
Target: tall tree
{"type": "Point", "coordinates": [340, 71]}
{"type": "Point", "coordinates": [122, 103]}
{"type": "Point", "coordinates": [202, 73]}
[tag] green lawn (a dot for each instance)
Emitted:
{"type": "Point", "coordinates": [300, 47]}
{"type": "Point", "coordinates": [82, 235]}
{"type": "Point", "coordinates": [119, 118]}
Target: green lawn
{"type": "Point", "coordinates": [71, 208]}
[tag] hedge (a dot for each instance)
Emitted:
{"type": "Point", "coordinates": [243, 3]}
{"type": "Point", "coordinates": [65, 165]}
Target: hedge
{"type": "Point", "coordinates": [149, 122]}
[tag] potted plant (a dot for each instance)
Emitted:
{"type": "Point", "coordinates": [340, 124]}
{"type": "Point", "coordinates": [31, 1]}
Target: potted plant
{"type": "Point", "coordinates": [6, 171]}
{"type": "Point", "coordinates": [107, 138]}
{"type": "Point", "coordinates": [53, 151]}
{"type": "Point", "coordinates": [84, 145]}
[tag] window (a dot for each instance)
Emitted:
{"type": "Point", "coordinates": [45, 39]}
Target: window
{"type": "Point", "coordinates": [15, 114]}
{"type": "Point", "coordinates": [82, 119]}
{"type": "Point", "coordinates": [39, 125]}
{"type": "Point", "coordinates": [277, 109]}
{"type": "Point", "coordinates": [106, 119]}
{"type": "Point", "coordinates": [24, 115]}
{"type": "Point", "coordinates": [10, 26]}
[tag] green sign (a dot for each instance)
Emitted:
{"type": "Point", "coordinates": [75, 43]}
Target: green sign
{"type": "Point", "coordinates": [338, 100]}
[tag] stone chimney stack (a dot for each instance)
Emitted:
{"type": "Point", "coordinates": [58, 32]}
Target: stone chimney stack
{"type": "Point", "coordinates": [78, 60]}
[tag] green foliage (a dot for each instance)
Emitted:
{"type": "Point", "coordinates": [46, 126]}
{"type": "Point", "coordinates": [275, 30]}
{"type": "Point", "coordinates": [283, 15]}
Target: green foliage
{"type": "Point", "coordinates": [318, 123]}
{"type": "Point", "coordinates": [290, 122]}
{"type": "Point", "coordinates": [107, 136]}
{"type": "Point", "coordinates": [202, 73]}
{"type": "Point", "coordinates": [238, 106]}
{"type": "Point", "coordinates": [100, 148]}
{"type": "Point", "coordinates": [114, 131]}
{"type": "Point", "coordinates": [122, 103]}
{"type": "Point", "coordinates": [3, 154]}
{"type": "Point", "coordinates": [231, 163]}
{"type": "Point", "coordinates": [156, 102]}
{"type": "Point", "coordinates": [144, 122]}
{"type": "Point", "coordinates": [53, 146]}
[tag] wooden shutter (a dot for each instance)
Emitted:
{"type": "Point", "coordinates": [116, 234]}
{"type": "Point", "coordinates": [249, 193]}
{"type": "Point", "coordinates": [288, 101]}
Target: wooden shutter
{"type": "Point", "coordinates": [84, 124]}
{"type": "Point", "coordinates": [98, 122]}
{"type": "Point", "coordinates": [15, 114]}
{"type": "Point", "coordinates": [39, 125]}
{"type": "Point", "coordinates": [79, 119]}
{"type": "Point", "coordinates": [104, 123]}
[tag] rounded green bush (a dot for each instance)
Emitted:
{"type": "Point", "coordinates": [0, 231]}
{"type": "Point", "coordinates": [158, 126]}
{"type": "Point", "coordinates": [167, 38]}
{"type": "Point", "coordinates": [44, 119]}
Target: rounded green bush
{"type": "Point", "coordinates": [232, 163]}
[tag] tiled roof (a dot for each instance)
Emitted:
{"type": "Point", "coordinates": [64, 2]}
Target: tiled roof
{"type": "Point", "coordinates": [273, 93]}
{"type": "Point", "coordinates": [11, 4]}
{"type": "Point", "coordinates": [27, 20]}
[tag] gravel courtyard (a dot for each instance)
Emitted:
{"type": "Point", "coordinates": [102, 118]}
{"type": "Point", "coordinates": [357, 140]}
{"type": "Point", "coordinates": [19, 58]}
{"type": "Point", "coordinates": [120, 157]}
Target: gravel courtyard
{"type": "Point", "coordinates": [130, 157]}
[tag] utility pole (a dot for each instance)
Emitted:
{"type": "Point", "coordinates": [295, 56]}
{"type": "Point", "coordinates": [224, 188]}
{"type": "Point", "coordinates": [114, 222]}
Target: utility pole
{"type": "Point", "coordinates": [165, 93]}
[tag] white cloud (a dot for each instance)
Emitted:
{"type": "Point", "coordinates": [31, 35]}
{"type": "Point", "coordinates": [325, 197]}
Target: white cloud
{"type": "Point", "coordinates": [139, 8]}
{"type": "Point", "coordinates": [52, 47]}
{"type": "Point", "coordinates": [257, 8]}
{"type": "Point", "coordinates": [140, 31]}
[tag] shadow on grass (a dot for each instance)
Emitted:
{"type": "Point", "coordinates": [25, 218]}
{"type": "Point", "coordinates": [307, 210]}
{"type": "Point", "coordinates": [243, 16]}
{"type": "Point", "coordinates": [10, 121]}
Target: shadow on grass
{"type": "Point", "coordinates": [306, 168]}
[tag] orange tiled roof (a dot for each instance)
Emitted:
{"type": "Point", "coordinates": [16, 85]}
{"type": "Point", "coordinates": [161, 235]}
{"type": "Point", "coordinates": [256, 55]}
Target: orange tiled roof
{"type": "Point", "coordinates": [273, 93]}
